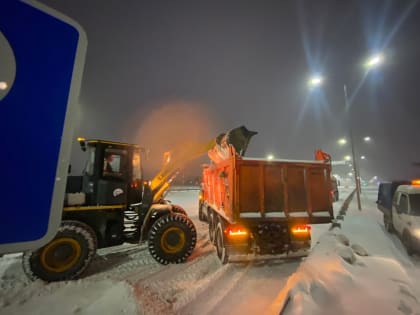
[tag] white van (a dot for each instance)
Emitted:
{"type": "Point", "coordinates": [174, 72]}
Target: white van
{"type": "Point", "coordinates": [406, 216]}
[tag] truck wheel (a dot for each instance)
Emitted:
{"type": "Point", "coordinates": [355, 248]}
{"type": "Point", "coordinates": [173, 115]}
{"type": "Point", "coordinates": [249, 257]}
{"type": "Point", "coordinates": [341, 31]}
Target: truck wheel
{"type": "Point", "coordinates": [406, 240]}
{"type": "Point", "coordinates": [212, 227]}
{"type": "Point", "coordinates": [172, 239]}
{"type": "Point", "coordinates": [220, 244]}
{"type": "Point", "coordinates": [388, 224]}
{"type": "Point", "coordinates": [201, 215]}
{"type": "Point", "coordinates": [65, 257]}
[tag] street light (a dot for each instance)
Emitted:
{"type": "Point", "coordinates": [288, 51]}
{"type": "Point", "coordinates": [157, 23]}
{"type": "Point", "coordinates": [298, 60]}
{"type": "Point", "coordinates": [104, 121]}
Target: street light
{"type": "Point", "coordinates": [374, 61]}
{"type": "Point", "coordinates": [367, 139]}
{"type": "Point", "coordinates": [270, 157]}
{"type": "Point", "coordinates": [315, 81]}
{"type": "Point", "coordinates": [355, 169]}
{"type": "Point", "coordinates": [342, 141]}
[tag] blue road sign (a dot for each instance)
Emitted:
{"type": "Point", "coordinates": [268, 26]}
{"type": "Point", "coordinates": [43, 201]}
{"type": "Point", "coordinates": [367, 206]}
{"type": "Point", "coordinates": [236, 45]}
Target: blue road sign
{"type": "Point", "coordinates": [41, 62]}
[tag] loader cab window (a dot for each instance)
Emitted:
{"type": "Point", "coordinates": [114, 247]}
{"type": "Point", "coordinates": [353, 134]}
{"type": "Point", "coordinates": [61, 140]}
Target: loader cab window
{"type": "Point", "coordinates": [90, 164]}
{"type": "Point", "coordinates": [114, 164]}
{"type": "Point", "coordinates": [137, 171]}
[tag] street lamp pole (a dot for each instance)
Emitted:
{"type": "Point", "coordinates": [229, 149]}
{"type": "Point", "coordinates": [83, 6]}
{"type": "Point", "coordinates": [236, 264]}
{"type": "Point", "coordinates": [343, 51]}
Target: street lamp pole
{"type": "Point", "coordinates": [355, 169]}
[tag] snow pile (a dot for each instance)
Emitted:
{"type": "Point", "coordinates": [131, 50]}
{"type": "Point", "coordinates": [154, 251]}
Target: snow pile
{"type": "Point", "coordinates": [342, 277]}
{"type": "Point", "coordinates": [94, 296]}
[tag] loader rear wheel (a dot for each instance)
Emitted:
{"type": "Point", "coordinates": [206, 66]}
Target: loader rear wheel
{"type": "Point", "coordinates": [220, 244]}
{"type": "Point", "coordinates": [65, 257]}
{"type": "Point", "coordinates": [172, 239]}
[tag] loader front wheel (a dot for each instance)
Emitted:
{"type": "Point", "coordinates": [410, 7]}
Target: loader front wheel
{"type": "Point", "coordinates": [179, 210]}
{"type": "Point", "coordinates": [65, 257]}
{"type": "Point", "coordinates": [172, 239]}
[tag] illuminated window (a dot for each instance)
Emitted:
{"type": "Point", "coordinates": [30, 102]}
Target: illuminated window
{"type": "Point", "coordinates": [114, 164]}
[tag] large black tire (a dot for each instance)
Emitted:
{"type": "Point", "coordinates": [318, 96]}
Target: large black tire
{"type": "Point", "coordinates": [65, 257]}
{"type": "Point", "coordinates": [221, 250]}
{"type": "Point", "coordinates": [172, 239]}
{"type": "Point", "coordinates": [179, 210]}
{"type": "Point", "coordinates": [201, 215]}
{"type": "Point", "coordinates": [212, 227]}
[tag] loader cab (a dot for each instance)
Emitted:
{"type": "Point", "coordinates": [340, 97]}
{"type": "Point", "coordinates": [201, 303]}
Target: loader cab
{"type": "Point", "coordinates": [113, 173]}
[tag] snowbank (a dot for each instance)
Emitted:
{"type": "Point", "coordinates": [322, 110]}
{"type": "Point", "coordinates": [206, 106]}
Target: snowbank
{"type": "Point", "coordinates": [355, 269]}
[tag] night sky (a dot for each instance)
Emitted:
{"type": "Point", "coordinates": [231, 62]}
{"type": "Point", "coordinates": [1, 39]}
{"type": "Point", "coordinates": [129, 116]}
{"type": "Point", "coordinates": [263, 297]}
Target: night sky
{"type": "Point", "coordinates": [161, 72]}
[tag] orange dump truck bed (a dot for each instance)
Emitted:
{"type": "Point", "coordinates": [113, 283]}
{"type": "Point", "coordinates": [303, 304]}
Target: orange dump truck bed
{"type": "Point", "coordinates": [260, 206]}
{"type": "Point", "coordinates": [243, 188]}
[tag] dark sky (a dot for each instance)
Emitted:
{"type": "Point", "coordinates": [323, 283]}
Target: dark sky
{"type": "Point", "coordinates": [158, 72]}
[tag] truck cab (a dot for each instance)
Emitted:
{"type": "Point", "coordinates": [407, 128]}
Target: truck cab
{"type": "Point", "coordinates": [406, 216]}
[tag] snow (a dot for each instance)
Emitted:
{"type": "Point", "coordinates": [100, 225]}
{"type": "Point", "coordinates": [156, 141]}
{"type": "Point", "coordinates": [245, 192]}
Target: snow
{"type": "Point", "coordinates": [357, 268]}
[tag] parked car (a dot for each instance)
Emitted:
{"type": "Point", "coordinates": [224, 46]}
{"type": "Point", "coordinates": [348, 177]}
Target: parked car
{"type": "Point", "coordinates": [405, 216]}
{"type": "Point", "coordinates": [386, 192]}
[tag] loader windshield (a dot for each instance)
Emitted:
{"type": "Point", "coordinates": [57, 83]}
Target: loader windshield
{"type": "Point", "coordinates": [136, 166]}
{"type": "Point", "coordinates": [90, 164]}
{"type": "Point", "coordinates": [114, 164]}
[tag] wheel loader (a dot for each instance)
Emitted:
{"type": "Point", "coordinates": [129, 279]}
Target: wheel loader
{"type": "Point", "coordinates": [110, 204]}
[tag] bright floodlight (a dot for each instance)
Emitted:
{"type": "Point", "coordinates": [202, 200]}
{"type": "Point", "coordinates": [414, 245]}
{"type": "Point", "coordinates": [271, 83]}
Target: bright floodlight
{"type": "Point", "coordinates": [3, 85]}
{"type": "Point", "coordinates": [342, 141]}
{"type": "Point", "coordinates": [363, 157]}
{"type": "Point", "coordinates": [315, 81]}
{"type": "Point", "coordinates": [347, 158]}
{"type": "Point", "coordinates": [374, 61]}
{"type": "Point", "coordinates": [270, 157]}
{"type": "Point", "coordinates": [367, 139]}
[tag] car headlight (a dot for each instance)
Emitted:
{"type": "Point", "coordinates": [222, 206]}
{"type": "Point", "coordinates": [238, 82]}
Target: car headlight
{"type": "Point", "coordinates": [416, 233]}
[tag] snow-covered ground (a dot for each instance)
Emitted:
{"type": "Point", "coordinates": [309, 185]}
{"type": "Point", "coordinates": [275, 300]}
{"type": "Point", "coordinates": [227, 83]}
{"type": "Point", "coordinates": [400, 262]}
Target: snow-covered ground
{"type": "Point", "coordinates": [355, 269]}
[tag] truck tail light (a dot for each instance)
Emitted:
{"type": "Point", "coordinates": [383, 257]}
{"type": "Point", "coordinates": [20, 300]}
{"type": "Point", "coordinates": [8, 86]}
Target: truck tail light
{"type": "Point", "coordinates": [236, 231]}
{"type": "Point", "coordinates": [301, 229]}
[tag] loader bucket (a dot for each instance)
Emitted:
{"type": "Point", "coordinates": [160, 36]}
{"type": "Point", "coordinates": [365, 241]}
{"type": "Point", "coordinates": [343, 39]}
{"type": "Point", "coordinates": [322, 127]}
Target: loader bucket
{"type": "Point", "coordinates": [238, 137]}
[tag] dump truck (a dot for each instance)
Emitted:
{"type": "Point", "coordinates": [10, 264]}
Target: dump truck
{"type": "Point", "coordinates": [261, 206]}
{"type": "Point", "coordinates": [110, 204]}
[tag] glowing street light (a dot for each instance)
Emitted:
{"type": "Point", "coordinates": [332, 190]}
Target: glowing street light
{"type": "Point", "coordinates": [342, 141]}
{"type": "Point", "coordinates": [367, 139]}
{"type": "Point", "coordinates": [315, 81]}
{"type": "Point", "coordinates": [347, 158]}
{"type": "Point", "coordinates": [270, 157]}
{"type": "Point", "coordinates": [363, 157]}
{"type": "Point", "coordinates": [374, 61]}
